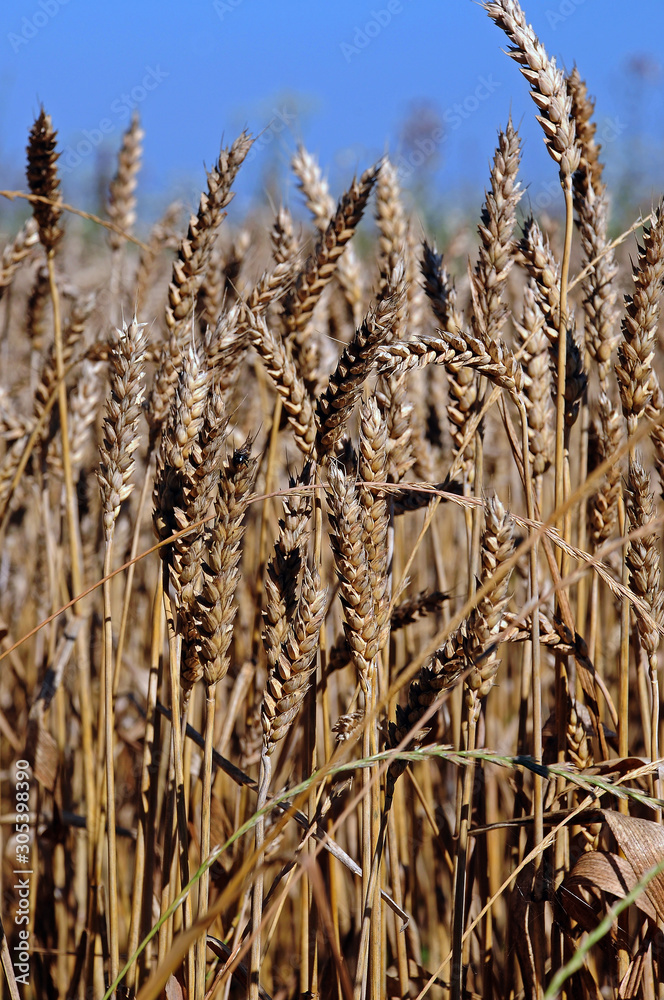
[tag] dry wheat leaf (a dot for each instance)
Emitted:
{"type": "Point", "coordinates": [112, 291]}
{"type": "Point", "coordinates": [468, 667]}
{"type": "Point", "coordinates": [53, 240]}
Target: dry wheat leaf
{"type": "Point", "coordinates": [173, 989]}
{"type": "Point", "coordinates": [41, 751]}
{"type": "Point", "coordinates": [609, 873]}
{"type": "Point", "coordinates": [617, 767]}
{"type": "Point", "coordinates": [523, 912]}
{"type": "Point", "coordinates": [642, 842]}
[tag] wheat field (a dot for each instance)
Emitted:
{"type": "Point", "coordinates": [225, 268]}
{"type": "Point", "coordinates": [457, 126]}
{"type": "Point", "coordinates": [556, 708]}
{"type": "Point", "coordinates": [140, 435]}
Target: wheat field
{"type": "Point", "coordinates": [331, 596]}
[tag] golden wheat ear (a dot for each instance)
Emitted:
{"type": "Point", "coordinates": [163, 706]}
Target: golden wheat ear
{"type": "Point", "coordinates": [121, 196]}
{"type": "Point", "coordinates": [189, 269]}
{"type": "Point", "coordinates": [18, 250]}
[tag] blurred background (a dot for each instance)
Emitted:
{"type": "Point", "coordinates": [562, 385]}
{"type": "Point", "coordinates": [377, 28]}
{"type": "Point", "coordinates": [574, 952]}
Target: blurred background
{"type": "Point", "coordinates": [424, 80]}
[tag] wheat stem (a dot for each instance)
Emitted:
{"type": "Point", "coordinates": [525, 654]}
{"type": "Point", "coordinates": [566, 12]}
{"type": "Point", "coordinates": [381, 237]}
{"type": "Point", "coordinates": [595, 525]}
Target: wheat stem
{"type": "Point", "coordinates": [109, 738]}
{"type": "Point", "coordinates": [204, 885]}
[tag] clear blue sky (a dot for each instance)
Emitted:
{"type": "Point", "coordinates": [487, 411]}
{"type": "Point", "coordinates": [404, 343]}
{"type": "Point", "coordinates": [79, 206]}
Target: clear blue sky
{"type": "Point", "coordinates": [342, 76]}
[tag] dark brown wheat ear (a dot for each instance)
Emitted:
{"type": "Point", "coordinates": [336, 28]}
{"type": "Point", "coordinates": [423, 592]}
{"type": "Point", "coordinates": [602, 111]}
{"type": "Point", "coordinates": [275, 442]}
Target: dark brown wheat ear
{"type": "Point", "coordinates": [44, 182]}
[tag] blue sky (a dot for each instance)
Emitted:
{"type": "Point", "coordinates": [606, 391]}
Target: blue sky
{"type": "Point", "coordinates": [343, 77]}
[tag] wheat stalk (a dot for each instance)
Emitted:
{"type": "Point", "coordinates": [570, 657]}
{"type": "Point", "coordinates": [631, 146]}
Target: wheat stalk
{"type": "Point", "coordinates": [115, 470]}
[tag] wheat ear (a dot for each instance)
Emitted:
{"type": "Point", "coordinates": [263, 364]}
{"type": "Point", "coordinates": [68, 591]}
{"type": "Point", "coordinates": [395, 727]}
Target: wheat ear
{"type": "Point", "coordinates": [643, 562]}
{"type": "Point", "coordinates": [284, 568]}
{"type": "Point", "coordinates": [548, 88]}
{"type": "Point", "coordinates": [321, 205]}
{"type": "Point", "coordinates": [320, 268]}
{"type": "Point", "coordinates": [487, 619]}
{"type": "Point", "coordinates": [20, 248]}
{"type": "Point", "coordinates": [162, 237]}
{"type": "Point", "coordinates": [336, 402]}
{"type": "Point", "coordinates": [393, 232]}
{"type": "Point", "coordinates": [281, 368]}
{"type": "Point", "coordinates": [496, 229]}
{"type": "Point", "coordinates": [537, 382]}
{"type": "Point", "coordinates": [492, 359]}
{"type": "Point", "coordinates": [462, 383]}
{"type": "Point", "coordinates": [395, 253]}
{"type": "Point", "coordinates": [285, 247]}
{"type": "Point", "coordinates": [546, 273]}
{"type": "Point", "coordinates": [352, 566]}
{"type": "Point", "coordinates": [188, 272]}
{"type": "Point", "coordinates": [639, 326]}
{"type": "Point", "coordinates": [122, 197]}
{"type": "Point", "coordinates": [43, 181]}
{"type": "Point", "coordinates": [591, 205]}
